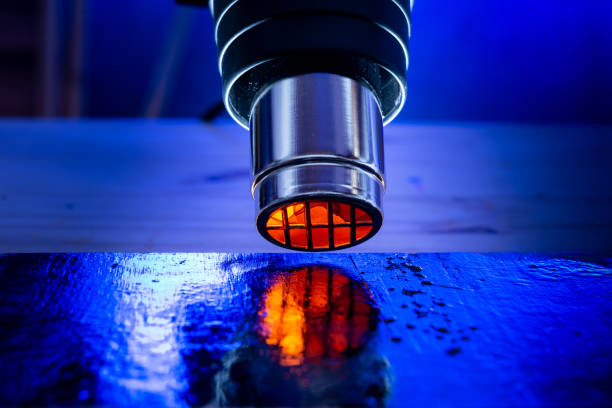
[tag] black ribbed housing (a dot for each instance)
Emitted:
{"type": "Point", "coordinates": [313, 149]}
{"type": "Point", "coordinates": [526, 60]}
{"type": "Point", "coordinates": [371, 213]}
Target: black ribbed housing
{"type": "Point", "coordinates": [263, 41]}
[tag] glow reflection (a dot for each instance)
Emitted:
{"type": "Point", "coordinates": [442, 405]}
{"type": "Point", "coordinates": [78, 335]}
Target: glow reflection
{"type": "Point", "coordinates": [315, 312]}
{"type": "Point", "coordinates": [152, 340]}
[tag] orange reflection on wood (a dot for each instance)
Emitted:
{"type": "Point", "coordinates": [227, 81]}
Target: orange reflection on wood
{"type": "Point", "coordinates": [315, 312]}
{"type": "Point", "coordinates": [338, 326]}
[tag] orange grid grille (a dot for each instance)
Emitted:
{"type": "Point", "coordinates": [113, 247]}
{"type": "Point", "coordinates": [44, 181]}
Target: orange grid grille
{"type": "Point", "coordinates": [318, 225]}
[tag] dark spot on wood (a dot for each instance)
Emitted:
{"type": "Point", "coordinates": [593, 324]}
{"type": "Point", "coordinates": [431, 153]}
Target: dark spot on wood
{"type": "Point", "coordinates": [415, 268]}
{"type": "Point", "coordinates": [420, 314]}
{"type": "Point", "coordinates": [440, 329]}
{"type": "Point", "coordinates": [442, 304]}
{"type": "Point", "coordinates": [411, 292]}
{"type": "Point", "coordinates": [182, 262]}
{"type": "Point", "coordinates": [377, 391]}
{"type": "Point", "coordinates": [410, 326]}
{"type": "Point", "coordinates": [389, 320]}
{"type": "Point", "coordinates": [114, 265]}
{"type": "Point", "coordinates": [240, 371]}
{"type": "Point", "coordinates": [426, 283]}
{"type": "Point", "coordinates": [391, 289]}
{"type": "Point", "coordinates": [419, 275]}
{"type": "Point", "coordinates": [465, 338]}
{"type": "Point", "coordinates": [417, 304]}
{"type": "Point", "coordinates": [476, 229]}
{"type": "Point", "coordinates": [453, 351]}
{"type": "Point", "coordinates": [155, 280]}
{"type": "Point", "coordinates": [235, 174]}
{"type": "Point", "coordinates": [473, 328]}
{"type": "Point", "coordinates": [404, 306]}
{"type": "Point", "coordinates": [396, 339]}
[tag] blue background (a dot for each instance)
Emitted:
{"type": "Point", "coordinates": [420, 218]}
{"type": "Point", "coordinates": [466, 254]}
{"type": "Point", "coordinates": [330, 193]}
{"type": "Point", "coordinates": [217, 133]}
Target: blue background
{"type": "Point", "coordinates": [533, 61]}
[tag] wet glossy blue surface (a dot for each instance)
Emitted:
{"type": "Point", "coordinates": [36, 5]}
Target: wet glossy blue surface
{"type": "Point", "coordinates": [291, 329]}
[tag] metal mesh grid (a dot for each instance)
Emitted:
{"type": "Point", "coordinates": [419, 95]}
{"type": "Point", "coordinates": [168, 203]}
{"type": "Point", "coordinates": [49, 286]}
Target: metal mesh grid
{"type": "Point", "coordinates": [318, 225]}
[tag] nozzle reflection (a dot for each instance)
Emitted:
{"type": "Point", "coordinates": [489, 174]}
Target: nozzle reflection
{"type": "Point", "coordinates": [313, 344]}
{"type": "Point", "coordinates": [315, 312]}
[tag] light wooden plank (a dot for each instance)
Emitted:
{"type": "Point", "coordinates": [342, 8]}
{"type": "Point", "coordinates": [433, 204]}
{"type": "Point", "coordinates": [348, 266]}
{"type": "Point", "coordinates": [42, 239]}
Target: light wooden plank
{"type": "Point", "coordinates": [179, 185]}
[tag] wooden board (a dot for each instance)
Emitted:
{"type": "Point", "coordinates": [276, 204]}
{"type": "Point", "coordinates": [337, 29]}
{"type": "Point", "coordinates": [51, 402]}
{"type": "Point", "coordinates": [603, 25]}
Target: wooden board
{"type": "Point", "coordinates": [443, 330]}
{"type": "Point", "coordinates": [135, 185]}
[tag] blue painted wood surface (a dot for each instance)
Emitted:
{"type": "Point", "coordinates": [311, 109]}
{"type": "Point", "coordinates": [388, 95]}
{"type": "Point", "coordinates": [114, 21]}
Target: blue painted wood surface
{"type": "Point", "coordinates": [444, 330]}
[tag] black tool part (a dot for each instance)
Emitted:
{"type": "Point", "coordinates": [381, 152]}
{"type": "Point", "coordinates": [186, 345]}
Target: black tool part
{"type": "Point", "coordinates": [263, 41]}
{"type": "Point", "coordinates": [199, 3]}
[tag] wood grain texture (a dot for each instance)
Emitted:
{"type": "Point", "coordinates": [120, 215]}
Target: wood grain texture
{"type": "Point", "coordinates": [135, 185]}
{"type": "Point", "coordinates": [453, 330]}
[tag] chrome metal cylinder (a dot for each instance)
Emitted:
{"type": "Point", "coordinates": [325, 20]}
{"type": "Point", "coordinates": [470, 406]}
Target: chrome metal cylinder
{"type": "Point", "coordinates": [317, 136]}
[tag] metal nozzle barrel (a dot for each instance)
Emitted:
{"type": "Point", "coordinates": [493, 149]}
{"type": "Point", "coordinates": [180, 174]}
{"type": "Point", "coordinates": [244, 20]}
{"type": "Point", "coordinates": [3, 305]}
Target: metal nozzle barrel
{"type": "Point", "coordinates": [317, 154]}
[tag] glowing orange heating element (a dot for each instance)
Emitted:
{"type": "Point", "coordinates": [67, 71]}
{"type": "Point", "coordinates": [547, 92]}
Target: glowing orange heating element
{"type": "Point", "coordinates": [315, 312]}
{"type": "Point", "coordinates": [318, 225]}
